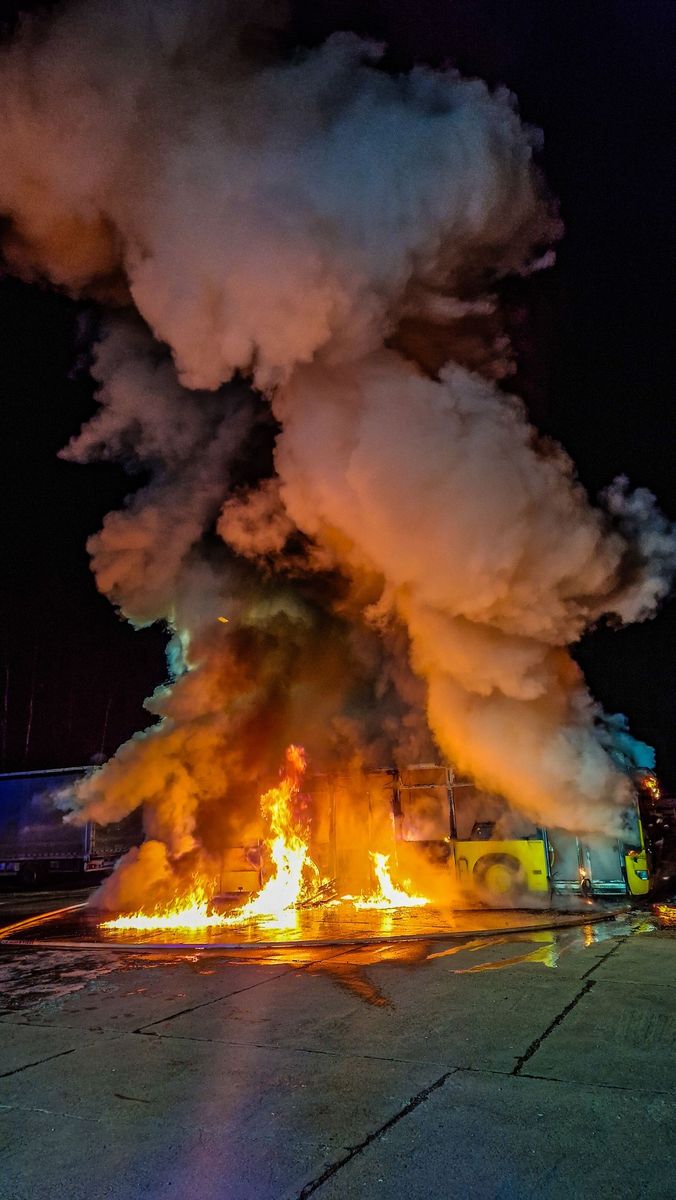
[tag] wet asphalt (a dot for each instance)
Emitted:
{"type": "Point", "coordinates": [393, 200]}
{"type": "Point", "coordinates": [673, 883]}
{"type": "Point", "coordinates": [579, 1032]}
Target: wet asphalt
{"type": "Point", "coordinates": [531, 1064]}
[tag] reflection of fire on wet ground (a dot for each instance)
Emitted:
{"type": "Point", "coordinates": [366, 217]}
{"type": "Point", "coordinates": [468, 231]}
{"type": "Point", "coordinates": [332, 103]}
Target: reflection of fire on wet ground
{"type": "Point", "coordinates": [49, 976]}
{"type": "Point", "coordinates": [665, 915]}
{"type": "Point", "coordinates": [323, 925]}
{"type": "Point", "coordinates": [79, 927]}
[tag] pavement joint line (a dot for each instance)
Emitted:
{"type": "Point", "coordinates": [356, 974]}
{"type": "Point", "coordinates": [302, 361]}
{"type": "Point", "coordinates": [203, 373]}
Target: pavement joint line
{"type": "Point", "coordinates": [589, 1087]}
{"type": "Point", "coordinates": [40, 1061]}
{"type": "Point", "coordinates": [205, 1003]}
{"type": "Point", "coordinates": [27, 1024]}
{"type": "Point", "coordinates": [611, 1087]}
{"type": "Point", "coordinates": [185, 1037]}
{"type": "Point", "coordinates": [598, 962]}
{"type": "Point", "coordinates": [102, 1029]}
{"type": "Point", "coordinates": [93, 1032]}
{"type": "Point", "coordinates": [505, 1073]}
{"type": "Point", "coordinates": [535, 1045]}
{"type": "Point", "coordinates": [333, 1168]}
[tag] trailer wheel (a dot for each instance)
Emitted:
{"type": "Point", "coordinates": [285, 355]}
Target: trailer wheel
{"type": "Point", "coordinates": [499, 877]}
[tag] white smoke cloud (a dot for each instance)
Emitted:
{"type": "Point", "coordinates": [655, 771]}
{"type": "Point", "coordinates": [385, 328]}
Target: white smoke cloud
{"type": "Point", "coordinates": [259, 216]}
{"type": "Point", "coordinates": [491, 555]}
{"type": "Point", "coordinates": [418, 561]}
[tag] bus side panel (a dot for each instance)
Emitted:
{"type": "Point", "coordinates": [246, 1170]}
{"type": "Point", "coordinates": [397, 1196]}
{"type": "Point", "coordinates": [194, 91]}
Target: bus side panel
{"type": "Point", "coordinates": [638, 879]}
{"type": "Point", "coordinates": [636, 864]}
{"type": "Point", "coordinates": [530, 853]}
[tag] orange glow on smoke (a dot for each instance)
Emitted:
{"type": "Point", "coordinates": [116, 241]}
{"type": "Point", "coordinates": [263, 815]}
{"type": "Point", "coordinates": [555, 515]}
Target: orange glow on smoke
{"type": "Point", "coordinates": [387, 894]}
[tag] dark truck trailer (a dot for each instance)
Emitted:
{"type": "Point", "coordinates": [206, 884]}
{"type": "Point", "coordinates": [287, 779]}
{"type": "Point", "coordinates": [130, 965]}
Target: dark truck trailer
{"type": "Point", "coordinates": [36, 842]}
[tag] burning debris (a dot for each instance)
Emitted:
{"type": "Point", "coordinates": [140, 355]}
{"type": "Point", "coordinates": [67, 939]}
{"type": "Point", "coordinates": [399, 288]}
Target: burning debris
{"type": "Point", "coordinates": [300, 354]}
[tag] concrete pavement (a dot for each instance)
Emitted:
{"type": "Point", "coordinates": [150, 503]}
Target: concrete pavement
{"type": "Point", "coordinates": [541, 1065]}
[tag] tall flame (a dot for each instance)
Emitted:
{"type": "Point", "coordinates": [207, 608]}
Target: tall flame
{"type": "Point", "coordinates": [295, 875]}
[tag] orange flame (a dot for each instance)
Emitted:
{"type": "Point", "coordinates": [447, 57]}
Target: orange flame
{"type": "Point", "coordinates": [191, 910]}
{"type": "Point", "coordinates": [294, 880]}
{"type": "Point", "coordinates": [295, 876]}
{"type": "Point", "coordinates": [387, 894]}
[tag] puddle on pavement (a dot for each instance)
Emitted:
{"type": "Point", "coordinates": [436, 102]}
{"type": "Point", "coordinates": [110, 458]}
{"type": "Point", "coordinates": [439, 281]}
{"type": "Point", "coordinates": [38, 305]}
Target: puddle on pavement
{"type": "Point", "coordinates": [28, 977]}
{"type": "Point", "coordinates": [31, 978]}
{"type": "Point", "coordinates": [548, 951]}
{"type": "Point", "coordinates": [549, 945]}
{"type": "Point", "coordinates": [544, 948]}
{"type": "Point", "coordinates": [327, 926]}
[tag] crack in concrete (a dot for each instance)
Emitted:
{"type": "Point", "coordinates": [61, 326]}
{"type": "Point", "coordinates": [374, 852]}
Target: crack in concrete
{"type": "Point", "coordinates": [535, 1045]}
{"type": "Point", "coordinates": [612, 1087]}
{"type": "Point", "coordinates": [333, 1168]}
{"type": "Point", "coordinates": [40, 1061]}
{"type": "Point", "coordinates": [187, 1037]}
{"type": "Point", "coordinates": [259, 983]}
{"type": "Point", "coordinates": [206, 1003]}
{"type": "Point", "coordinates": [580, 1083]}
{"type": "Point", "coordinates": [603, 959]}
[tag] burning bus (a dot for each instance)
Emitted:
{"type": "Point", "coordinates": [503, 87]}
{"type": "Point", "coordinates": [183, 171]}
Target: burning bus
{"type": "Point", "coordinates": [358, 836]}
{"type": "Point", "coordinates": [501, 856]}
{"type": "Point", "coordinates": [447, 836]}
{"type": "Point", "coordinates": [387, 840]}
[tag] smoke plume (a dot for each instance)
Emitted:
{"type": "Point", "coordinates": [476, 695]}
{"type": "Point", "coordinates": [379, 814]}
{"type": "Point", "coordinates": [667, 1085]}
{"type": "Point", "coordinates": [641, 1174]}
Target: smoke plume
{"type": "Point", "coordinates": [302, 357]}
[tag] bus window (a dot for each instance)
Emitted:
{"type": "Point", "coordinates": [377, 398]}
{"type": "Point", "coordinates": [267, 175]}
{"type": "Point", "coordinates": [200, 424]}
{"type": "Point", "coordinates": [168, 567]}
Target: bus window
{"type": "Point", "coordinates": [425, 813]}
{"type": "Point", "coordinates": [631, 835]}
{"type": "Point", "coordinates": [480, 816]}
{"type": "Point", "coordinates": [482, 831]}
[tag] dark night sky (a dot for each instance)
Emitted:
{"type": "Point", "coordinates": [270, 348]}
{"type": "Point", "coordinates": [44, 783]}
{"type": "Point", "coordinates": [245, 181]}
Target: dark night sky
{"type": "Point", "coordinates": [594, 337]}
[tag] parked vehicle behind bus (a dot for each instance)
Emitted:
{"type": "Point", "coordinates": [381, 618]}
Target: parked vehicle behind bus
{"type": "Point", "coordinates": [35, 841]}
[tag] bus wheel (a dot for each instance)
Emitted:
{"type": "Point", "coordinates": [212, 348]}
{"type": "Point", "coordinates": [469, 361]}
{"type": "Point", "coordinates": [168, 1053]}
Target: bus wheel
{"type": "Point", "coordinates": [499, 877]}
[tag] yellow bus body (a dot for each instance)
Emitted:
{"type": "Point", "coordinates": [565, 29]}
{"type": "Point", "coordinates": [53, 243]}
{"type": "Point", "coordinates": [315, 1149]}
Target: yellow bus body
{"type": "Point", "coordinates": [500, 867]}
{"type": "Point", "coordinates": [636, 866]}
